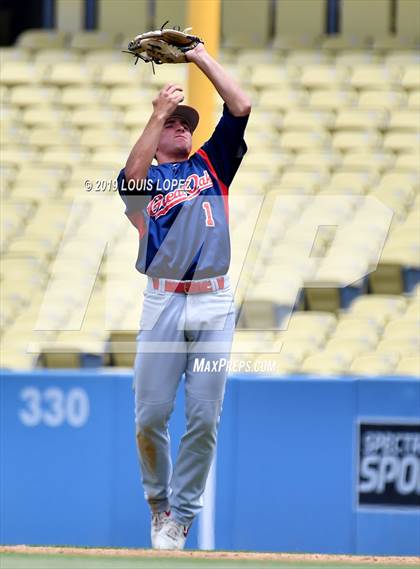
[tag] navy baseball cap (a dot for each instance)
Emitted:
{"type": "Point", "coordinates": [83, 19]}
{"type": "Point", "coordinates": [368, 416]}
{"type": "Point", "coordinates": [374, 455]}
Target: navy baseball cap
{"type": "Point", "coordinates": [189, 114]}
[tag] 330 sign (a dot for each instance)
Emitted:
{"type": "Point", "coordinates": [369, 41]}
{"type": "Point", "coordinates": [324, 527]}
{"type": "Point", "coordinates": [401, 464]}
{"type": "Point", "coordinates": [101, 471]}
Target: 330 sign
{"type": "Point", "coordinates": [53, 407]}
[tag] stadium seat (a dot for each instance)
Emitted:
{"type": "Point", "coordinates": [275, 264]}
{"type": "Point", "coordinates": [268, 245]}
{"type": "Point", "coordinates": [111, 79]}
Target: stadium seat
{"type": "Point", "coordinates": [269, 161]}
{"type": "Point", "coordinates": [278, 100]}
{"type": "Point", "coordinates": [360, 119]}
{"type": "Point", "coordinates": [295, 178]}
{"type": "Point", "coordinates": [118, 74]}
{"type": "Point", "coordinates": [381, 99]}
{"type": "Point", "coordinates": [403, 347]}
{"type": "Point", "coordinates": [354, 57]}
{"type": "Point", "coordinates": [409, 366]}
{"type": "Point", "coordinates": [18, 154]}
{"type": "Point", "coordinates": [95, 116]}
{"type": "Point", "coordinates": [43, 116]}
{"type": "Point", "coordinates": [69, 73]}
{"type": "Point", "coordinates": [14, 54]}
{"type": "Point", "coordinates": [298, 58]}
{"type": "Point", "coordinates": [27, 95]}
{"type": "Point", "coordinates": [374, 364]}
{"type": "Point", "coordinates": [374, 77]}
{"type": "Point", "coordinates": [403, 119]}
{"type": "Point", "coordinates": [256, 56]}
{"type": "Point", "coordinates": [323, 77]}
{"type": "Point", "coordinates": [260, 120]}
{"type": "Point", "coordinates": [55, 55]}
{"type": "Point", "coordinates": [21, 73]}
{"type": "Point", "coordinates": [376, 159]}
{"type": "Point", "coordinates": [4, 95]}
{"type": "Point", "coordinates": [324, 322]}
{"type": "Point", "coordinates": [311, 160]}
{"type": "Point", "coordinates": [45, 137]}
{"type": "Point", "coordinates": [80, 96]}
{"type": "Point", "coordinates": [97, 137]}
{"type": "Point", "coordinates": [39, 248]}
{"type": "Point", "coordinates": [41, 39]}
{"type": "Point", "coordinates": [348, 179]}
{"type": "Point", "coordinates": [413, 100]}
{"type": "Point", "coordinates": [402, 141]}
{"type": "Point", "coordinates": [326, 363]}
{"type": "Point", "coordinates": [63, 156]}
{"type": "Point", "coordinates": [346, 141]}
{"type": "Point", "coordinates": [9, 115]}
{"type": "Point", "coordinates": [349, 347]}
{"type": "Point", "coordinates": [403, 328]}
{"type": "Point", "coordinates": [36, 191]}
{"type": "Point", "coordinates": [15, 134]}
{"type": "Point", "coordinates": [17, 358]}
{"type": "Point", "coordinates": [88, 40]}
{"type": "Point", "coordinates": [411, 78]}
{"type": "Point", "coordinates": [378, 307]}
{"type": "Point", "coordinates": [98, 58]}
{"type": "Point", "coordinates": [126, 96]}
{"type": "Point", "coordinates": [295, 140]}
{"type": "Point", "coordinates": [385, 43]}
{"type": "Point", "coordinates": [270, 76]}
{"type": "Point", "coordinates": [413, 310]}
{"type": "Point", "coordinates": [171, 74]}
{"type": "Point", "coordinates": [357, 329]}
{"type": "Point", "coordinates": [331, 100]}
{"type": "Point", "coordinates": [300, 119]}
{"type": "Point", "coordinates": [401, 58]}
{"type": "Point", "coordinates": [397, 197]}
{"type": "Point", "coordinates": [110, 156]}
{"type": "Point", "coordinates": [408, 161]}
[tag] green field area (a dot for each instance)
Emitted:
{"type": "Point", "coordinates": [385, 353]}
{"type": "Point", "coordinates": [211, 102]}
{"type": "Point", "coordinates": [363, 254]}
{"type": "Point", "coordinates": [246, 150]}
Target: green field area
{"type": "Point", "coordinates": [37, 561]}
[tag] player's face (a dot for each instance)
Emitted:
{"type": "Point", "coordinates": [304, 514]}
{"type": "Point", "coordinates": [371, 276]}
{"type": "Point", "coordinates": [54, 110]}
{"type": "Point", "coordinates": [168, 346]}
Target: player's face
{"type": "Point", "coordinates": [176, 138]}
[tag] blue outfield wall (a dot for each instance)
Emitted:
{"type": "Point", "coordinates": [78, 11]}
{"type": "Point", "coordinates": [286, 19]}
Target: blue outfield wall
{"type": "Point", "coordinates": [287, 476]}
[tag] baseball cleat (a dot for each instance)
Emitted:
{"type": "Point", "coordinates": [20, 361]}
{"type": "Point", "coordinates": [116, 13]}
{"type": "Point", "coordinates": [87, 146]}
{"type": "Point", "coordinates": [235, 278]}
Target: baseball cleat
{"type": "Point", "coordinates": [172, 535]}
{"type": "Point", "coordinates": [158, 519]}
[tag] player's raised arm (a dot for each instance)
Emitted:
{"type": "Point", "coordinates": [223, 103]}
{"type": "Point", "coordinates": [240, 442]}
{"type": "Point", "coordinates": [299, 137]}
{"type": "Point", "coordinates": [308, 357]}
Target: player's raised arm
{"type": "Point", "coordinates": [238, 102]}
{"type": "Point", "coordinates": [144, 150]}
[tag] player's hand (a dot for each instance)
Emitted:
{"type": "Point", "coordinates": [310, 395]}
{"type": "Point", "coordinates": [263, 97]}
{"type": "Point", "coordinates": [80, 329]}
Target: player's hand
{"type": "Point", "coordinates": [168, 99]}
{"type": "Point", "coordinates": [195, 54]}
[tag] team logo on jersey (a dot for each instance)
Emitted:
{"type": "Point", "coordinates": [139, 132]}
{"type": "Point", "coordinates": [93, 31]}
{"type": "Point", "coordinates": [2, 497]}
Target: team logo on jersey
{"type": "Point", "coordinates": [193, 186]}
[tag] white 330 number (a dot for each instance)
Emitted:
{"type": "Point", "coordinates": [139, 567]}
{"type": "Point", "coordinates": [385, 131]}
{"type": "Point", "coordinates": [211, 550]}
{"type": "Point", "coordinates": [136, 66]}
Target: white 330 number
{"type": "Point", "coordinates": [53, 407]}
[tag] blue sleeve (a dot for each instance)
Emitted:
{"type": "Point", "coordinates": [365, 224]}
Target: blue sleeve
{"type": "Point", "coordinates": [226, 147]}
{"type": "Point", "coordinates": [132, 193]}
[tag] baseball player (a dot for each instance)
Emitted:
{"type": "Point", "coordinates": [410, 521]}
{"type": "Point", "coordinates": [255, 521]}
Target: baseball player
{"type": "Point", "coordinates": [180, 208]}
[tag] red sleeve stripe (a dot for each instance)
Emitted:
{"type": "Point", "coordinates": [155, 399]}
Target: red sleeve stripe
{"type": "Point", "coordinates": [224, 189]}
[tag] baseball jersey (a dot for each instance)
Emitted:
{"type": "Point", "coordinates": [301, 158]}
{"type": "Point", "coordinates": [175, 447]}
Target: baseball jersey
{"type": "Point", "coordinates": [181, 209]}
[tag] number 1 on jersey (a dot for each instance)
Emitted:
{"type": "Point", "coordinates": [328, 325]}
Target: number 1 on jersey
{"type": "Point", "coordinates": [209, 214]}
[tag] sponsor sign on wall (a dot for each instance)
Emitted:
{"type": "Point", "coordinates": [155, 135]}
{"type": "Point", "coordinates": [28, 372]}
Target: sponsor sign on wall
{"type": "Point", "coordinates": [389, 464]}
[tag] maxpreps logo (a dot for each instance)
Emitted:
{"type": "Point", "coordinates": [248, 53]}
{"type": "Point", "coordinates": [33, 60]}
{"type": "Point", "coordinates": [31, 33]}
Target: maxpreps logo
{"type": "Point", "coordinates": [389, 465]}
{"type": "Point", "coordinates": [188, 190]}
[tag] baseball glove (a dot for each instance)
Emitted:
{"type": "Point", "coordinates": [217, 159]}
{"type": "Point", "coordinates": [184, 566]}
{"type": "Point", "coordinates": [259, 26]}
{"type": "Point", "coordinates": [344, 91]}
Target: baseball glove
{"type": "Point", "coordinates": [167, 45]}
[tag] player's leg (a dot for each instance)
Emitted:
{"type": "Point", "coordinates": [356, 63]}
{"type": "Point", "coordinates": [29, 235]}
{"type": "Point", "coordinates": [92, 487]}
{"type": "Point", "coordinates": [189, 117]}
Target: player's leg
{"type": "Point", "coordinates": [160, 362]}
{"type": "Point", "coordinates": [205, 379]}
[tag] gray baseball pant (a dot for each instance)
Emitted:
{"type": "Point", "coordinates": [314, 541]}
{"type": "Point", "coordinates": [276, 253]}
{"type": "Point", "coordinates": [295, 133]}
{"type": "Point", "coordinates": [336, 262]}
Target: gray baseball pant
{"type": "Point", "coordinates": [176, 331]}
